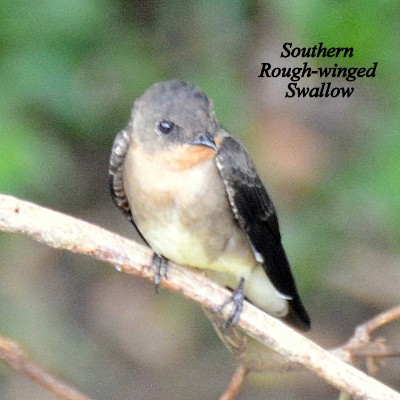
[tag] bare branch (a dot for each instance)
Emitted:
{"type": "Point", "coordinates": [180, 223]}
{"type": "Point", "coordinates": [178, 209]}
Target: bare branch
{"type": "Point", "coordinates": [13, 356]}
{"type": "Point", "coordinates": [235, 384]}
{"type": "Point", "coordinates": [363, 332]}
{"type": "Point", "coordinates": [361, 344]}
{"type": "Point", "coordinates": [64, 232]}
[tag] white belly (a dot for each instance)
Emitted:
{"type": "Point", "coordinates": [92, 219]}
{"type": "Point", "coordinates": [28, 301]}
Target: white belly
{"type": "Point", "coordinates": [185, 217]}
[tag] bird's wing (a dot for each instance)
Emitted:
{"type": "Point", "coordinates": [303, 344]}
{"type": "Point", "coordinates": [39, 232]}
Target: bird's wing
{"type": "Point", "coordinates": [115, 176]}
{"type": "Point", "coordinates": [256, 215]}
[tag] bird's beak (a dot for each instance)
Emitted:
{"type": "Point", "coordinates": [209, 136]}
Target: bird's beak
{"type": "Point", "coordinates": [204, 139]}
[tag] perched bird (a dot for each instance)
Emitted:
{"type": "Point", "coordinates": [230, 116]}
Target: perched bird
{"type": "Point", "coordinates": [192, 192]}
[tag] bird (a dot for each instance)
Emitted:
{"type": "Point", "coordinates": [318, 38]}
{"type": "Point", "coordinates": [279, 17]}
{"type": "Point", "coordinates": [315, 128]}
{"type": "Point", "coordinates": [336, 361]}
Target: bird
{"type": "Point", "coordinates": [193, 194]}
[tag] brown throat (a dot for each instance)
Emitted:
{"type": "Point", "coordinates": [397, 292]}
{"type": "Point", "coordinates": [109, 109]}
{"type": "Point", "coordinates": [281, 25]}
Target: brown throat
{"type": "Point", "coordinates": [185, 157]}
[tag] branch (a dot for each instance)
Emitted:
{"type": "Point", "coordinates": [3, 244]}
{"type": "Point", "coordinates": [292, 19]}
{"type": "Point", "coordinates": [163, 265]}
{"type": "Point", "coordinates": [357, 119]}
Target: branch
{"type": "Point", "coordinates": [363, 332]}
{"type": "Point", "coordinates": [235, 384]}
{"type": "Point", "coordinates": [64, 232]}
{"type": "Point", "coordinates": [13, 356]}
{"type": "Point", "coordinates": [362, 345]}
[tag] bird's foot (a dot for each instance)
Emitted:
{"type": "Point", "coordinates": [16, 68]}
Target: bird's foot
{"type": "Point", "coordinates": [236, 299]}
{"type": "Point", "coordinates": [160, 264]}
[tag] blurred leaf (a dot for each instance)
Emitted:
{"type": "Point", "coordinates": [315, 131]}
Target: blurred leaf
{"type": "Point", "coordinates": [31, 163]}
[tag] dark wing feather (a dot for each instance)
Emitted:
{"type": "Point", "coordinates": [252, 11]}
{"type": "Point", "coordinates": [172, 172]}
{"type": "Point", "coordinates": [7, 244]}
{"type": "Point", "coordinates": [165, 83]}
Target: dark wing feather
{"type": "Point", "coordinates": [115, 175]}
{"type": "Point", "coordinates": [256, 215]}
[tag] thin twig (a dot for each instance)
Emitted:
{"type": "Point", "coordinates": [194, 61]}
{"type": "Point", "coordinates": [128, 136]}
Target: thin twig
{"type": "Point", "coordinates": [361, 344]}
{"type": "Point", "coordinates": [235, 384]}
{"type": "Point", "coordinates": [12, 355]}
{"type": "Point", "coordinates": [64, 232]}
{"type": "Point", "coordinates": [363, 332]}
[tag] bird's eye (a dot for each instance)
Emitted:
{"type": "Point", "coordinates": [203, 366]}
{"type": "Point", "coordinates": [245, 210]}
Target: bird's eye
{"type": "Point", "coordinates": [165, 126]}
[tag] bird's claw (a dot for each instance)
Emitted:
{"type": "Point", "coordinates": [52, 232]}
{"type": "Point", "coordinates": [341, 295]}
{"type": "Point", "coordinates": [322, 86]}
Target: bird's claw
{"type": "Point", "coordinates": [236, 299]}
{"type": "Point", "coordinates": [160, 264]}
